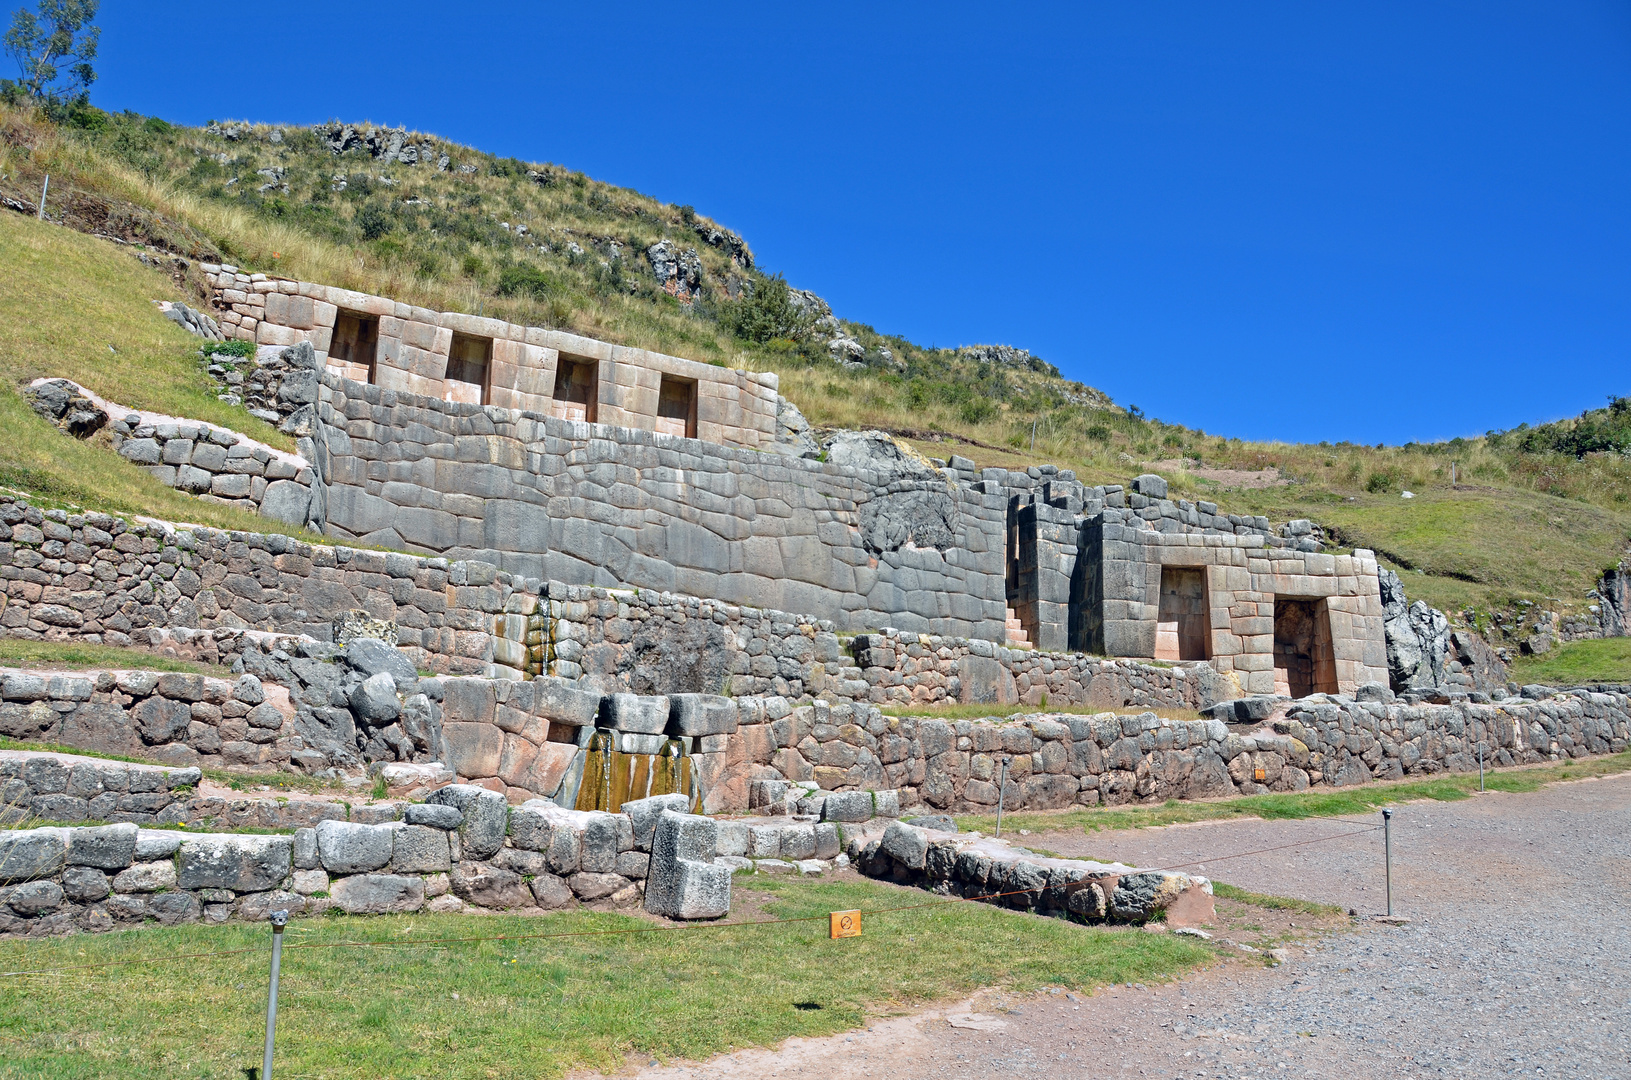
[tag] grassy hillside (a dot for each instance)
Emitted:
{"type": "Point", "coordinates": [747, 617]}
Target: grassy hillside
{"type": "Point", "coordinates": [1536, 514]}
{"type": "Point", "coordinates": [77, 307]}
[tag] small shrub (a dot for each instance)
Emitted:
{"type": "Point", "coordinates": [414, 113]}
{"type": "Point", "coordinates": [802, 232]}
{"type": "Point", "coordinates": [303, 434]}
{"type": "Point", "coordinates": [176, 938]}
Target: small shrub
{"type": "Point", "coordinates": [767, 314]}
{"type": "Point", "coordinates": [1097, 433]}
{"type": "Point", "coordinates": [1382, 480]}
{"type": "Point", "coordinates": [524, 279]}
{"type": "Point", "coordinates": [472, 266]}
{"type": "Point", "coordinates": [976, 410]}
{"type": "Point", "coordinates": [235, 349]}
{"type": "Point", "coordinates": [374, 221]}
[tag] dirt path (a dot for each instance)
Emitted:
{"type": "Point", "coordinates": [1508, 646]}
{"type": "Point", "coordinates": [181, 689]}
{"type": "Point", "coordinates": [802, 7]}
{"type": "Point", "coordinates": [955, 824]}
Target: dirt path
{"type": "Point", "coordinates": [1512, 963]}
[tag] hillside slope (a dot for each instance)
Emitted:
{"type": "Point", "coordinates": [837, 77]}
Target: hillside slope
{"type": "Point", "coordinates": [426, 220]}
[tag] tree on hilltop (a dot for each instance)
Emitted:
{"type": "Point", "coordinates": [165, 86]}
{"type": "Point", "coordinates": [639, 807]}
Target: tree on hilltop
{"type": "Point", "coordinates": [54, 47]}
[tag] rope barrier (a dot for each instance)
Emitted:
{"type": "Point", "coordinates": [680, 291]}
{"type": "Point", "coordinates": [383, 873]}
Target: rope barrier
{"type": "Point", "coordinates": [698, 928]}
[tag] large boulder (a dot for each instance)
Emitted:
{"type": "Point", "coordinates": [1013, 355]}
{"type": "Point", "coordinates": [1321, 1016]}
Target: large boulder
{"type": "Point", "coordinates": [32, 853]}
{"type": "Point", "coordinates": [374, 700]}
{"type": "Point", "coordinates": [372, 656]}
{"type": "Point", "coordinates": [378, 894]}
{"type": "Point", "coordinates": [1418, 637]}
{"type": "Point", "coordinates": [106, 847]}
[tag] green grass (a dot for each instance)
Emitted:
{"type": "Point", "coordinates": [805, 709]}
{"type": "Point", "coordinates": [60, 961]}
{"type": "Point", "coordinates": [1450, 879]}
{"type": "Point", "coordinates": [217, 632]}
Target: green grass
{"type": "Point", "coordinates": [1323, 802]}
{"type": "Point", "coordinates": [64, 299]}
{"type": "Point", "coordinates": [1605, 660]}
{"type": "Point", "coordinates": [79, 655]}
{"type": "Point", "coordinates": [1479, 549]}
{"type": "Point", "coordinates": [536, 1008]}
{"type": "Point", "coordinates": [1275, 903]}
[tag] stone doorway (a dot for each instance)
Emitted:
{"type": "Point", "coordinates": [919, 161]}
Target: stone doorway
{"type": "Point", "coordinates": [1304, 660]}
{"type": "Point", "coordinates": [1183, 627]}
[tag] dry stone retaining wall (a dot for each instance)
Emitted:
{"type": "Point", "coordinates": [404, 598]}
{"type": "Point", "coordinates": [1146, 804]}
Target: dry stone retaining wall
{"type": "Point", "coordinates": [47, 787]}
{"type": "Point", "coordinates": [463, 848]}
{"type": "Point", "coordinates": [1057, 761]}
{"type": "Point", "coordinates": [902, 668]}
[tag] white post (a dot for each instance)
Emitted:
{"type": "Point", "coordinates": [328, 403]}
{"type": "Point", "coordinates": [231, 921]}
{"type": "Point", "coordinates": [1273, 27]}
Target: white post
{"type": "Point", "coordinates": [43, 190]}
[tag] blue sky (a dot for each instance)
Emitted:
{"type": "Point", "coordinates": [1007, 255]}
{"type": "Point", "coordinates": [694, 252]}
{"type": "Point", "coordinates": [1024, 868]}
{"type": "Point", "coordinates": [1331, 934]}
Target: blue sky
{"type": "Point", "coordinates": [1376, 222]}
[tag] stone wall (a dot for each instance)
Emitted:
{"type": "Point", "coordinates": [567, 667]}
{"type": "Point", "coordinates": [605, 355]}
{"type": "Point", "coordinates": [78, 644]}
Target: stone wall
{"type": "Point", "coordinates": [1062, 760]}
{"type": "Point", "coordinates": [52, 787]}
{"type": "Point", "coordinates": [1247, 582]}
{"type": "Point", "coordinates": [463, 848]}
{"type": "Point", "coordinates": [902, 668]}
{"type": "Point", "coordinates": [736, 408]}
{"type": "Point", "coordinates": [873, 539]}
{"type": "Point", "coordinates": [220, 466]}
{"type": "Point", "coordinates": [96, 577]}
{"type": "Point", "coordinates": [318, 716]}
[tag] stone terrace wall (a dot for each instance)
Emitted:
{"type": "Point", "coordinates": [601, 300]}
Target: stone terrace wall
{"type": "Point", "coordinates": [49, 787]}
{"type": "Point", "coordinates": [462, 849]}
{"type": "Point", "coordinates": [584, 504]}
{"type": "Point", "coordinates": [1059, 760]}
{"type": "Point", "coordinates": [901, 668]}
{"type": "Point", "coordinates": [732, 407]}
{"type": "Point", "coordinates": [208, 594]}
{"type": "Point", "coordinates": [96, 577]}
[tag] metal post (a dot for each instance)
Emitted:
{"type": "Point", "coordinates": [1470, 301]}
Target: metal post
{"type": "Point", "coordinates": [1002, 783]}
{"type": "Point", "coordinates": [1033, 436]}
{"type": "Point", "coordinates": [43, 190]}
{"type": "Point", "coordinates": [1387, 849]}
{"type": "Point", "coordinates": [1480, 765]}
{"type": "Point", "coordinates": [279, 920]}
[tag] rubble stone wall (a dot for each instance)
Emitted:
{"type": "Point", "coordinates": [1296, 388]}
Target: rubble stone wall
{"type": "Point", "coordinates": [902, 668]}
{"type": "Point", "coordinates": [46, 787]}
{"type": "Point", "coordinates": [1062, 760]}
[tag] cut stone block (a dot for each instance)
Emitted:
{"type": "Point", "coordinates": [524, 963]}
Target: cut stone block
{"type": "Point", "coordinates": [682, 881]}
{"type": "Point", "coordinates": [698, 715]}
{"type": "Point", "coordinates": [636, 713]}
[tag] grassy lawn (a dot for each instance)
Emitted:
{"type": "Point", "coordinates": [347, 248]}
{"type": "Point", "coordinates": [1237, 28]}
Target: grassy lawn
{"type": "Point", "coordinates": [536, 1008]}
{"type": "Point", "coordinates": [75, 655]}
{"type": "Point", "coordinates": [1604, 660]}
{"type": "Point", "coordinates": [1326, 802]}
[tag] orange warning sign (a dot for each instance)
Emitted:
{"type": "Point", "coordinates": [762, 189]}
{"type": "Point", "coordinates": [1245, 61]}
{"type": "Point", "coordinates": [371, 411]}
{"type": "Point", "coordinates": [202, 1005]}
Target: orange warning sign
{"type": "Point", "coordinates": [846, 924]}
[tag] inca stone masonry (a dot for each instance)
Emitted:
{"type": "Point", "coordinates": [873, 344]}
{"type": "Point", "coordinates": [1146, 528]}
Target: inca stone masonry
{"type": "Point", "coordinates": [569, 460]}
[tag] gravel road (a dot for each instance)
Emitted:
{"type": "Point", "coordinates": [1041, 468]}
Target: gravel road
{"type": "Point", "coordinates": [1511, 964]}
